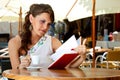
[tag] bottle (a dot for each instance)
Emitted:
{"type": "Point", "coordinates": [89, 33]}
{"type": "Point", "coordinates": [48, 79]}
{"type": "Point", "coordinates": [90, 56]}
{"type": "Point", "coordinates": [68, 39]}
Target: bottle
{"type": "Point", "coordinates": [105, 35]}
{"type": "Point", "coordinates": [110, 36]}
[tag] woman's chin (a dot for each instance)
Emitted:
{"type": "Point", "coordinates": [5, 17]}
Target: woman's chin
{"type": "Point", "coordinates": [41, 34]}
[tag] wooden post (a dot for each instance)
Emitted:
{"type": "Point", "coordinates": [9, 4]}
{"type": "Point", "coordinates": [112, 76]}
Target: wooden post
{"type": "Point", "coordinates": [71, 9]}
{"type": "Point", "coordinates": [20, 21]}
{"type": "Point", "coordinates": [11, 35]}
{"type": "Point", "coordinates": [93, 30]}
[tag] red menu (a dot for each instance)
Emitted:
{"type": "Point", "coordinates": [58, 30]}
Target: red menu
{"type": "Point", "coordinates": [63, 61]}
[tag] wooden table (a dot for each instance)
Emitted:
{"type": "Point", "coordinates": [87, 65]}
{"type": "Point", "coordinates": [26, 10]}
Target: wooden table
{"type": "Point", "coordinates": [98, 52]}
{"type": "Point", "coordinates": [102, 50]}
{"type": "Point", "coordinates": [66, 74]}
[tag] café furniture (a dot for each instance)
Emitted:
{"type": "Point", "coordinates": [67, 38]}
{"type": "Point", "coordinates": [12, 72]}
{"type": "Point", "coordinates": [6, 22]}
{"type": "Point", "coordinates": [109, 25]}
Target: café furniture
{"type": "Point", "coordinates": [4, 59]}
{"type": "Point", "coordinates": [110, 60]}
{"type": "Point", "coordinates": [89, 56]}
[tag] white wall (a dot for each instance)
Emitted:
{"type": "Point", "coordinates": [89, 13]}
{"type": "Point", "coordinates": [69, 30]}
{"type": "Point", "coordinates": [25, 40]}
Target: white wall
{"type": "Point", "coordinates": [5, 27]}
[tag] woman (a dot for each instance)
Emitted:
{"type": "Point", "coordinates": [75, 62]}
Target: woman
{"type": "Point", "coordinates": [33, 39]}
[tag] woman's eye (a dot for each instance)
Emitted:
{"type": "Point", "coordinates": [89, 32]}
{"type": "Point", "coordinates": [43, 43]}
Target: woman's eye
{"type": "Point", "coordinates": [50, 24]}
{"type": "Point", "coordinates": [42, 21]}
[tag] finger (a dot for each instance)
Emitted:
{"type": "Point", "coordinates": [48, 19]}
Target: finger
{"type": "Point", "coordinates": [28, 56]}
{"type": "Point", "coordinates": [84, 41]}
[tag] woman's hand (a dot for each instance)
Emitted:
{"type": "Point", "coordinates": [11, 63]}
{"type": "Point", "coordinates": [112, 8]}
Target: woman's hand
{"type": "Point", "coordinates": [25, 61]}
{"type": "Point", "coordinates": [81, 49]}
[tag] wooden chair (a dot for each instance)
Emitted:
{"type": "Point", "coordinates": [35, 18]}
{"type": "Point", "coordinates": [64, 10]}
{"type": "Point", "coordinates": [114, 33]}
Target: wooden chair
{"type": "Point", "coordinates": [110, 60]}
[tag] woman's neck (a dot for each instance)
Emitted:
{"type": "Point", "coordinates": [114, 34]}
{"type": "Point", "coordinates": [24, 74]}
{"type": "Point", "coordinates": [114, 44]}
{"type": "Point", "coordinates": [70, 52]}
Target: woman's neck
{"type": "Point", "coordinates": [35, 38]}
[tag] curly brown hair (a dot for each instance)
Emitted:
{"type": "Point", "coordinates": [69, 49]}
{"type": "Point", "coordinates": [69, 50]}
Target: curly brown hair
{"type": "Point", "coordinates": [35, 9]}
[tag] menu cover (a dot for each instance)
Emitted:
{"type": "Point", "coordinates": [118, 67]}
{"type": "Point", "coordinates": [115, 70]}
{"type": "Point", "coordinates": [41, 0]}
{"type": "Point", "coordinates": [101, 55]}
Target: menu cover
{"type": "Point", "coordinates": [63, 61]}
{"type": "Point", "coordinates": [64, 54]}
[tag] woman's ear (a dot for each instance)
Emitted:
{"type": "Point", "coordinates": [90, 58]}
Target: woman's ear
{"type": "Point", "coordinates": [31, 18]}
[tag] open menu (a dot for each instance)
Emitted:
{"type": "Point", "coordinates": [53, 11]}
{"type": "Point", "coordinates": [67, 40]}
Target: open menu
{"type": "Point", "coordinates": [64, 55]}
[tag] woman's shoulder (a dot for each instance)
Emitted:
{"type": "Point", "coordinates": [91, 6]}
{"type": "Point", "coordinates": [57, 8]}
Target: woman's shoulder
{"type": "Point", "coordinates": [54, 39]}
{"type": "Point", "coordinates": [55, 43]}
{"type": "Point", "coordinates": [14, 43]}
{"type": "Point", "coordinates": [15, 40]}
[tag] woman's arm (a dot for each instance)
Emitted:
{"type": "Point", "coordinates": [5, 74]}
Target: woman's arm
{"type": "Point", "coordinates": [13, 46]}
{"type": "Point", "coordinates": [17, 62]}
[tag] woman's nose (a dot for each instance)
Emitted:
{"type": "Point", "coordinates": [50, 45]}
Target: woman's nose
{"type": "Point", "coordinates": [45, 26]}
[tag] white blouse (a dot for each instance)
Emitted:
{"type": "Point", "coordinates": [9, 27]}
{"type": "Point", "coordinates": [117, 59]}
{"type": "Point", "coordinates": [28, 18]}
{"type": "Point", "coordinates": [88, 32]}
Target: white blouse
{"type": "Point", "coordinates": [43, 49]}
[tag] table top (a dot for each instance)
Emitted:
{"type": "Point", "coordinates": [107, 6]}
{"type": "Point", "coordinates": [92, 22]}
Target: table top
{"type": "Point", "coordinates": [102, 50]}
{"type": "Point", "coordinates": [99, 50]}
{"type": "Point", "coordinates": [64, 74]}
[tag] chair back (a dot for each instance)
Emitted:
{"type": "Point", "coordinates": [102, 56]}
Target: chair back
{"type": "Point", "coordinates": [113, 56]}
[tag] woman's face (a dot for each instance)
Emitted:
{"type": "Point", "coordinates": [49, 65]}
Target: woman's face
{"type": "Point", "coordinates": [40, 23]}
